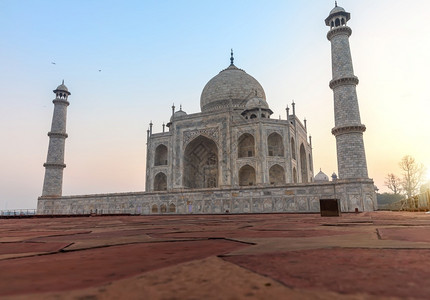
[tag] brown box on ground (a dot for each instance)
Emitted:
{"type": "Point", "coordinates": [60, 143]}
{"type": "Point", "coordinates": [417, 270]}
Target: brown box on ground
{"type": "Point", "coordinates": [330, 207]}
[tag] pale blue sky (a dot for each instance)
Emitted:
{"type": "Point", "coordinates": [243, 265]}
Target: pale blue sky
{"type": "Point", "coordinates": [153, 53]}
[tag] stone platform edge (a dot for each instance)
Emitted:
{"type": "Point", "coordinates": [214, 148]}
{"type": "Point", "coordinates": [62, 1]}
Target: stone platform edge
{"type": "Point", "coordinates": [304, 197]}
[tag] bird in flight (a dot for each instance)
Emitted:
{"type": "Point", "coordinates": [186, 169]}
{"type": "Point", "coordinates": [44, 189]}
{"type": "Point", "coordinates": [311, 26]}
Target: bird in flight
{"type": "Point", "coordinates": [53, 63]}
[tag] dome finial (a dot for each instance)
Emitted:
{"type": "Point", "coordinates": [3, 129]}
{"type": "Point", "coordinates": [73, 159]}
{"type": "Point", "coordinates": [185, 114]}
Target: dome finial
{"type": "Point", "coordinates": [231, 57]}
{"type": "Point", "coordinates": [335, 3]}
{"type": "Point", "coordinates": [63, 82]}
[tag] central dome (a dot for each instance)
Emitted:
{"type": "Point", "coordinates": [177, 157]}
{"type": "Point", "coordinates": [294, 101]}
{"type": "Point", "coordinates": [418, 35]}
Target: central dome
{"type": "Point", "coordinates": [231, 85]}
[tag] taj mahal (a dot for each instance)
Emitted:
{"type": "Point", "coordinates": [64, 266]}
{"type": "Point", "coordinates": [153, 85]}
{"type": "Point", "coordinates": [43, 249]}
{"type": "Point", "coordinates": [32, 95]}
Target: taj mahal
{"type": "Point", "coordinates": [232, 157]}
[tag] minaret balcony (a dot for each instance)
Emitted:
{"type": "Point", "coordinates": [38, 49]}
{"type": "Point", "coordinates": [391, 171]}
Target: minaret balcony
{"type": "Point", "coordinates": [350, 80]}
{"type": "Point", "coordinates": [341, 30]}
{"type": "Point", "coordinates": [348, 129]}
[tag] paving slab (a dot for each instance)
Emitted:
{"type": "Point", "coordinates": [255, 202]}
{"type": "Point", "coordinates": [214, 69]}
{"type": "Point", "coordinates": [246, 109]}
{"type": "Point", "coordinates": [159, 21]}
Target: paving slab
{"type": "Point", "coordinates": [379, 272]}
{"type": "Point", "coordinates": [375, 255]}
{"type": "Point", "coordinates": [199, 279]}
{"type": "Point", "coordinates": [77, 269]}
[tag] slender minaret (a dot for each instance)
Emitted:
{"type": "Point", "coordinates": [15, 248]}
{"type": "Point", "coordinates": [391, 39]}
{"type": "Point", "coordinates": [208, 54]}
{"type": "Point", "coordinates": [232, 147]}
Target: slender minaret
{"type": "Point", "coordinates": [53, 183]}
{"type": "Point", "coordinates": [348, 130]}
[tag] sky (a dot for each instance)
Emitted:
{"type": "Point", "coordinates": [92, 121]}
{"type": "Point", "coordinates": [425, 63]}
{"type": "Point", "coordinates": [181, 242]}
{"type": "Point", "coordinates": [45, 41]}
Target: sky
{"type": "Point", "coordinates": [155, 53]}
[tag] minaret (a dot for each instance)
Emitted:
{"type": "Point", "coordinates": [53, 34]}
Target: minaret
{"type": "Point", "coordinates": [53, 183]}
{"type": "Point", "coordinates": [348, 130]}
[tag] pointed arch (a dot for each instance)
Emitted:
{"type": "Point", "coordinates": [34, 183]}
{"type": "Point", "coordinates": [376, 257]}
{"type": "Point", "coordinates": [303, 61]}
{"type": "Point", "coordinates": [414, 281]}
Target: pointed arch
{"type": "Point", "coordinates": [275, 145]}
{"type": "Point", "coordinates": [163, 208]}
{"type": "Point", "coordinates": [294, 175]}
{"type": "Point", "coordinates": [246, 145]}
{"type": "Point", "coordinates": [160, 155]}
{"type": "Point", "coordinates": [276, 175]}
{"type": "Point", "coordinates": [172, 208]}
{"type": "Point", "coordinates": [293, 148]}
{"type": "Point", "coordinates": [201, 163]}
{"type": "Point", "coordinates": [247, 176]}
{"type": "Point", "coordinates": [154, 209]}
{"type": "Point", "coordinates": [160, 182]}
{"type": "Point", "coordinates": [303, 164]}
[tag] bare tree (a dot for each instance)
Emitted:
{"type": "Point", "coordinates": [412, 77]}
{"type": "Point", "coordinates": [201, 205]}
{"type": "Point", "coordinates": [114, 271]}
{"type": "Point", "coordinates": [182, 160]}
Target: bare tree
{"type": "Point", "coordinates": [393, 182]}
{"type": "Point", "coordinates": [413, 175]}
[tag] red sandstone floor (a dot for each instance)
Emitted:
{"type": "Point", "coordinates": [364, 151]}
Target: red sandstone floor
{"type": "Point", "coordinates": [378, 255]}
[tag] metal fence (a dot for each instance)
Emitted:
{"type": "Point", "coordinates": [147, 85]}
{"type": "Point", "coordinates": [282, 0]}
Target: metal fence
{"type": "Point", "coordinates": [18, 212]}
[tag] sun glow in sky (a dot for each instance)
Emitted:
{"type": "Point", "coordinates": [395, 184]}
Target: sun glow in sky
{"type": "Point", "coordinates": [154, 53]}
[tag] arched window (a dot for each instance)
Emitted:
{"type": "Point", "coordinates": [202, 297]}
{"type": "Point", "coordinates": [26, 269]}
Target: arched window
{"type": "Point", "coordinates": [246, 176]}
{"type": "Point", "coordinates": [163, 208]}
{"type": "Point", "coordinates": [331, 24]}
{"type": "Point", "coordinates": [160, 155]}
{"type": "Point", "coordinates": [263, 115]}
{"type": "Point", "coordinates": [160, 182]}
{"type": "Point", "coordinates": [275, 145]}
{"type": "Point", "coordinates": [201, 163]}
{"type": "Point", "coordinates": [276, 175]}
{"type": "Point", "coordinates": [337, 22]}
{"type": "Point", "coordinates": [154, 209]}
{"type": "Point", "coordinates": [343, 21]}
{"type": "Point", "coordinates": [253, 116]}
{"type": "Point", "coordinates": [293, 148]}
{"type": "Point", "coordinates": [294, 175]}
{"type": "Point", "coordinates": [303, 164]}
{"type": "Point", "coordinates": [246, 146]}
{"type": "Point", "coordinates": [172, 208]}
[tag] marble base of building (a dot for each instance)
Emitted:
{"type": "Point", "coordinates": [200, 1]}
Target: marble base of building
{"type": "Point", "coordinates": [299, 198]}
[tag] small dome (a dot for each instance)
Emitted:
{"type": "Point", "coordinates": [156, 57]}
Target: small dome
{"type": "Point", "coordinates": [179, 114]}
{"type": "Point", "coordinates": [256, 103]}
{"type": "Point", "coordinates": [231, 86]}
{"type": "Point", "coordinates": [337, 9]}
{"type": "Point", "coordinates": [321, 177]}
{"type": "Point", "coordinates": [62, 88]}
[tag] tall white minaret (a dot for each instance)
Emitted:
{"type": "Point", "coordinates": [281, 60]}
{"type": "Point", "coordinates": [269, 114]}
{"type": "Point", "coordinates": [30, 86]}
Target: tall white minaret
{"type": "Point", "coordinates": [53, 182]}
{"type": "Point", "coordinates": [348, 130]}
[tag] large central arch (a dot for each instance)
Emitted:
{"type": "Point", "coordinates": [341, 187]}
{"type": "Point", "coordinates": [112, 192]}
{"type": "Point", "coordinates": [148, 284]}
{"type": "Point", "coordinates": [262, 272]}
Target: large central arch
{"type": "Point", "coordinates": [201, 164]}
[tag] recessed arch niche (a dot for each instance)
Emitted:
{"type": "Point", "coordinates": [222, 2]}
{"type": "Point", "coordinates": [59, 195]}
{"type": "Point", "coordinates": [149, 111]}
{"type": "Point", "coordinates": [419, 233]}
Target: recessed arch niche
{"type": "Point", "coordinates": [201, 164]}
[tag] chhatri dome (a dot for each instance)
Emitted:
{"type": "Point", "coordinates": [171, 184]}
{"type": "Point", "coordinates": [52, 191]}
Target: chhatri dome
{"type": "Point", "coordinates": [178, 114]}
{"type": "Point", "coordinates": [256, 103]}
{"type": "Point", "coordinates": [62, 87]}
{"type": "Point", "coordinates": [337, 9]}
{"type": "Point", "coordinates": [232, 86]}
{"type": "Point", "coordinates": [321, 177]}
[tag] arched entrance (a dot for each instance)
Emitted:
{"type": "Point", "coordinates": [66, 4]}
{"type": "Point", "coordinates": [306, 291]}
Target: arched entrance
{"type": "Point", "coordinates": [160, 182]}
{"type": "Point", "coordinates": [246, 146]}
{"type": "Point", "coordinates": [276, 175]}
{"type": "Point", "coordinates": [201, 164]}
{"type": "Point", "coordinates": [293, 148]}
{"type": "Point", "coordinates": [294, 175]}
{"type": "Point", "coordinates": [246, 176]}
{"type": "Point", "coordinates": [275, 145]}
{"type": "Point", "coordinates": [160, 155]}
{"type": "Point", "coordinates": [303, 164]}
